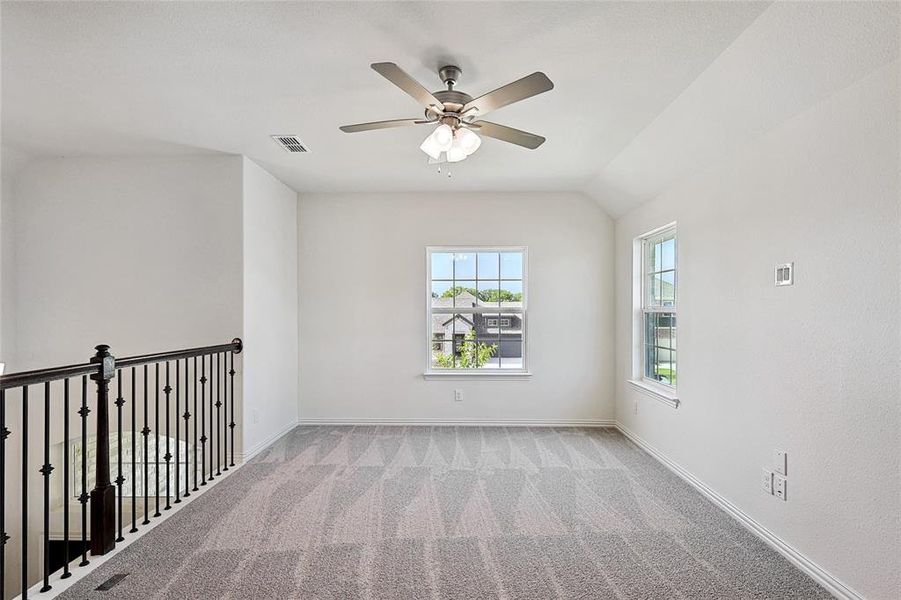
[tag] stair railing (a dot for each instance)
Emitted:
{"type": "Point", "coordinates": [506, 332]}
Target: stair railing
{"type": "Point", "coordinates": [199, 375]}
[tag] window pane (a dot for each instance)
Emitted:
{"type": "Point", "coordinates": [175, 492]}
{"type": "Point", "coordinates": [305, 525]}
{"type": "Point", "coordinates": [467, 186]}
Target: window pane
{"type": "Point", "coordinates": [441, 294]}
{"type": "Point", "coordinates": [489, 292]}
{"type": "Point", "coordinates": [464, 265]}
{"type": "Point", "coordinates": [668, 254]}
{"type": "Point", "coordinates": [511, 293]}
{"type": "Point", "coordinates": [511, 265]}
{"type": "Point", "coordinates": [442, 265]}
{"type": "Point", "coordinates": [658, 262]}
{"type": "Point", "coordinates": [660, 353]}
{"type": "Point", "coordinates": [489, 265]}
{"type": "Point", "coordinates": [465, 294]}
{"type": "Point", "coordinates": [668, 289]}
{"type": "Point", "coordinates": [511, 340]}
{"type": "Point", "coordinates": [654, 290]}
{"type": "Point", "coordinates": [442, 355]}
{"type": "Point", "coordinates": [485, 353]}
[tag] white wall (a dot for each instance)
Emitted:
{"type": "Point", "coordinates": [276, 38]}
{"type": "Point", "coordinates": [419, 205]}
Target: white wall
{"type": "Point", "coordinates": [362, 306]}
{"type": "Point", "coordinates": [813, 368]}
{"type": "Point", "coordinates": [143, 254]}
{"type": "Point", "coordinates": [12, 161]}
{"type": "Point", "coordinates": [270, 307]}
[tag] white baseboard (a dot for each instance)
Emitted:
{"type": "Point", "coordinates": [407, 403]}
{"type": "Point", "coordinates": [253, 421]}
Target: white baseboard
{"type": "Point", "coordinates": [468, 422]}
{"type": "Point", "coordinates": [262, 445]}
{"type": "Point", "coordinates": [796, 557]}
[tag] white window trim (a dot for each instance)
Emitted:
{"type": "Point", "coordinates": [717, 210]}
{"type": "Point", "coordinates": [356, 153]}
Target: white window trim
{"type": "Point", "coordinates": [664, 393]}
{"type": "Point", "coordinates": [431, 373]}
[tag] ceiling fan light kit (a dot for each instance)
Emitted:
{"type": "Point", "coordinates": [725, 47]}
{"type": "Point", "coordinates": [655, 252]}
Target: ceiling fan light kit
{"type": "Point", "coordinates": [457, 114]}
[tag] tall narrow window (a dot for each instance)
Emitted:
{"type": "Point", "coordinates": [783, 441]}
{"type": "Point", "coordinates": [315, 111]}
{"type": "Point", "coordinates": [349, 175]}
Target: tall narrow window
{"type": "Point", "coordinates": [658, 306]}
{"type": "Point", "coordinates": [476, 310]}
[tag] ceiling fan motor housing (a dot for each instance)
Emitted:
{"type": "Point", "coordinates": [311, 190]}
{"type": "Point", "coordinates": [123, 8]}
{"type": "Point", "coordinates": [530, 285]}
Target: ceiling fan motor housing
{"type": "Point", "coordinates": [453, 100]}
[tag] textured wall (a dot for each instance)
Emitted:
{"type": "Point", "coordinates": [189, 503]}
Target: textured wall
{"type": "Point", "coordinates": [270, 307]}
{"type": "Point", "coordinates": [363, 313]}
{"type": "Point", "coordinates": [813, 368]}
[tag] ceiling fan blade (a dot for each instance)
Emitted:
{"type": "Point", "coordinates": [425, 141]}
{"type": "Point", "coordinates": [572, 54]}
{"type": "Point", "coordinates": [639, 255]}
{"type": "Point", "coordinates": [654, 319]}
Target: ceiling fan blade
{"type": "Point", "coordinates": [401, 79]}
{"type": "Point", "coordinates": [531, 85]}
{"type": "Point", "coordinates": [382, 125]}
{"type": "Point", "coordinates": [508, 134]}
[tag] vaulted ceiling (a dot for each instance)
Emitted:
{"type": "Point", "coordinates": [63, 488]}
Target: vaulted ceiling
{"type": "Point", "coordinates": [645, 92]}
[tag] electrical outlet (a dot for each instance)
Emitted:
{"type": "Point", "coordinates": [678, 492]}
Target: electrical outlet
{"type": "Point", "coordinates": [635, 406]}
{"type": "Point", "coordinates": [780, 484]}
{"type": "Point", "coordinates": [767, 481]}
{"type": "Point", "coordinates": [458, 395]}
{"type": "Point", "coordinates": [780, 462]}
{"type": "Point", "coordinates": [255, 416]}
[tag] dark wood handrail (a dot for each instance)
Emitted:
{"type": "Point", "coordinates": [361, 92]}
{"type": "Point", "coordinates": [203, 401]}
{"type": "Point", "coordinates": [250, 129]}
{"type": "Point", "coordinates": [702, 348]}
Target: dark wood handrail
{"type": "Point", "coordinates": [23, 378]}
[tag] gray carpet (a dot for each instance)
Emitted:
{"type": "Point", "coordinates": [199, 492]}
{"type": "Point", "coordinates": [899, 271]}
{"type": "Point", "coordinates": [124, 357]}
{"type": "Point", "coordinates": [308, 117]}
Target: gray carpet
{"type": "Point", "coordinates": [451, 512]}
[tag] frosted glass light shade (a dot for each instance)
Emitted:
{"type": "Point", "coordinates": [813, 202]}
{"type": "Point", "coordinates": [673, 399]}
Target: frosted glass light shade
{"type": "Point", "coordinates": [444, 136]}
{"type": "Point", "coordinates": [438, 141]}
{"type": "Point", "coordinates": [456, 152]}
{"type": "Point", "coordinates": [468, 140]}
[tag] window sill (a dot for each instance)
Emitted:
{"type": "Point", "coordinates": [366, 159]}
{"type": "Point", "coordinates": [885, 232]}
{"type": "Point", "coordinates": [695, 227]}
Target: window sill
{"type": "Point", "coordinates": [657, 392]}
{"type": "Point", "coordinates": [476, 375]}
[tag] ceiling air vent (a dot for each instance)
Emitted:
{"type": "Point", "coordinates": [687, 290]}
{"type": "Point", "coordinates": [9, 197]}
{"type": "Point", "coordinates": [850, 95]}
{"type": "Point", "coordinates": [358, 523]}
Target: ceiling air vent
{"type": "Point", "coordinates": [291, 143]}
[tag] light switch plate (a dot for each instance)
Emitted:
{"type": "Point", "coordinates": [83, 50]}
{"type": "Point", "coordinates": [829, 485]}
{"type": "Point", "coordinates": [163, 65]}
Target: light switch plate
{"type": "Point", "coordinates": [767, 481]}
{"type": "Point", "coordinates": [780, 484]}
{"type": "Point", "coordinates": [780, 462]}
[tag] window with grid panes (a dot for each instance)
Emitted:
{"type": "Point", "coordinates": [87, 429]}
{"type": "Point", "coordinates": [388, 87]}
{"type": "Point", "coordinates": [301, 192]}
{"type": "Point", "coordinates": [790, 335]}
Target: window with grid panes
{"type": "Point", "coordinates": [658, 307]}
{"type": "Point", "coordinates": [477, 309]}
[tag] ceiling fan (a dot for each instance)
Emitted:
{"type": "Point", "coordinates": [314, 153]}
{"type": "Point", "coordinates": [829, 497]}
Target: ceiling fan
{"type": "Point", "coordinates": [457, 114]}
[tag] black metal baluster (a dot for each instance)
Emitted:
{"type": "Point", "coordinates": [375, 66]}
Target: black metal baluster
{"type": "Point", "coordinates": [218, 417]}
{"type": "Point", "coordinates": [83, 498]}
{"type": "Point", "coordinates": [195, 425]}
{"type": "Point", "coordinates": [25, 491]}
{"type": "Point", "coordinates": [45, 470]}
{"type": "Point", "coordinates": [224, 412]}
{"type": "Point", "coordinates": [66, 574]}
{"type": "Point", "coordinates": [187, 416]}
{"type": "Point", "coordinates": [203, 420]}
{"type": "Point", "coordinates": [231, 424]}
{"type": "Point", "coordinates": [146, 433]}
{"type": "Point", "coordinates": [212, 425]}
{"type": "Point", "coordinates": [156, 471]}
{"type": "Point", "coordinates": [168, 456]}
{"type": "Point", "coordinates": [134, 473]}
{"type": "Point", "coordinates": [177, 437]}
{"type": "Point", "coordinates": [4, 433]}
{"type": "Point", "coordinates": [119, 479]}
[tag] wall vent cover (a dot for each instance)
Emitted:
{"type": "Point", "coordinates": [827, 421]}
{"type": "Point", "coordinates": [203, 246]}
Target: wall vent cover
{"type": "Point", "coordinates": [291, 143]}
{"type": "Point", "coordinates": [785, 274]}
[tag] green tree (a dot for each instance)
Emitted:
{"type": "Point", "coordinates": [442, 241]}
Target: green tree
{"type": "Point", "coordinates": [493, 295]}
{"type": "Point", "coordinates": [473, 355]}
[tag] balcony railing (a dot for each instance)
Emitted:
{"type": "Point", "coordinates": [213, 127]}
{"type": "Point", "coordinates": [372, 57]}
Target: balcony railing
{"type": "Point", "coordinates": [198, 381]}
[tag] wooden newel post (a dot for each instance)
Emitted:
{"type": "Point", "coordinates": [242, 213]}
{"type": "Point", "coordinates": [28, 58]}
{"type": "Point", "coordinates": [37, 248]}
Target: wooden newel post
{"type": "Point", "coordinates": [103, 496]}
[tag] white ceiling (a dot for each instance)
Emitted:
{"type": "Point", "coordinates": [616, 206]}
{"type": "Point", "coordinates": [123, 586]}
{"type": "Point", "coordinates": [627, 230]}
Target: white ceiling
{"type": "Point", "coordinates": [645, 92]}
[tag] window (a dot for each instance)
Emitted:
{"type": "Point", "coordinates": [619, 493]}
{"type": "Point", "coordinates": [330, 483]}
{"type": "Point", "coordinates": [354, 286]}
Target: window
{"type": "Point", "coordinates": [658, 306]}
{"type": "Point", "coordinates": [476, 310]}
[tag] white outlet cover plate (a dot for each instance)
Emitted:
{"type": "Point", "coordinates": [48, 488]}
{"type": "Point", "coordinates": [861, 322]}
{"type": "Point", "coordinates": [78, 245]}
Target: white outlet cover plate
{"type": "Point", "coordinates": [766, 481]}
{"type": "Point", "coordinates": [780, 462]}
